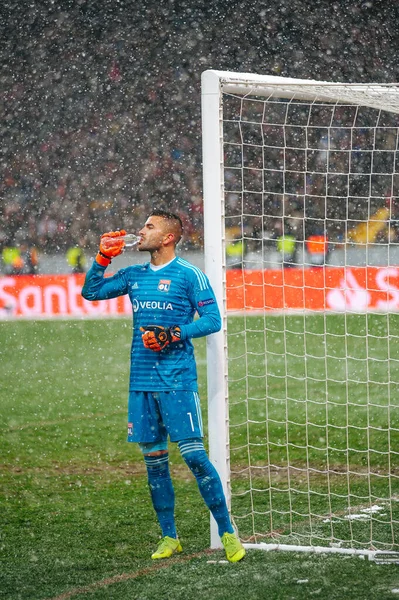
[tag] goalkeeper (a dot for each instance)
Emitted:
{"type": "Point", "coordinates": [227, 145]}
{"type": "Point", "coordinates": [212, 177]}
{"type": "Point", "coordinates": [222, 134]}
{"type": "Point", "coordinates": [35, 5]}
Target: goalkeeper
{"type": "Point", "coordinates": [163, 393]}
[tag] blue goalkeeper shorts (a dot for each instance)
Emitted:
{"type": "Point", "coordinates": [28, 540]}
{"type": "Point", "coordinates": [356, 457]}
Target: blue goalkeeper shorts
{"type": "Point", "coordinates": [152, 416]}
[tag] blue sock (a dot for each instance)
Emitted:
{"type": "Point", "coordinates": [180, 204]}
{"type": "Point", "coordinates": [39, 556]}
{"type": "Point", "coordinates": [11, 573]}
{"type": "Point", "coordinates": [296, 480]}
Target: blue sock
{"type": "Point", "coordinates": [162, 493]}
{"type": "Point", "coordinates": [210, 486]}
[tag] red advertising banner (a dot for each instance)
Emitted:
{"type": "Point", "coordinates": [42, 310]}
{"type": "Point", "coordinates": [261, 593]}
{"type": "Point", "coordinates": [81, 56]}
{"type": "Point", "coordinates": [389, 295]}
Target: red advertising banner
{"type": "Point", "coordinates": [330, 289]}
{"type": "Point", "coordinates": [53, 296]}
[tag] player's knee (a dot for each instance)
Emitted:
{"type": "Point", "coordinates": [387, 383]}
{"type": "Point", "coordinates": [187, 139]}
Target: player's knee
{"type": "Point", "coordinates": [153, 448]}
{"type": "Point", "coordinates": [157, 466]}
{"type": "Point", "coordinates": [156, 458]}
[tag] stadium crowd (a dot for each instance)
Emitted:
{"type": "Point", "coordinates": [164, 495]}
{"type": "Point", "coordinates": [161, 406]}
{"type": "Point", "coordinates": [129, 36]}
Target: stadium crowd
{"type": "Point", "coordinates": [100, 102]}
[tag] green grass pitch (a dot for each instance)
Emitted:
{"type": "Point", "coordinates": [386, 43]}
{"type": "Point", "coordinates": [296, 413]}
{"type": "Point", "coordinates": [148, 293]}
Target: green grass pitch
{"type": "Point", "coordinates": [75, 515]}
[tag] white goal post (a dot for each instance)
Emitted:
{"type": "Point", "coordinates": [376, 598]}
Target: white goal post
{"type": "Point", "coordinates": [303, 409]}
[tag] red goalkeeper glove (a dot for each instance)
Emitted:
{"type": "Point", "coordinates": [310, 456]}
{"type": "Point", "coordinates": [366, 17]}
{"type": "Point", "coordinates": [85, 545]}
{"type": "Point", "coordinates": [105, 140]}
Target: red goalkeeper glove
{"type": "Point", "coordinates": [156, 337]}
{"type": "Point", "coordinates": [107, 253]}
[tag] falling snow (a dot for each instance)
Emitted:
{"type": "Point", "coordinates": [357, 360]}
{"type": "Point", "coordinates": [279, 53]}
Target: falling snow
{"type": "Point", "coordinates": [101, 101]}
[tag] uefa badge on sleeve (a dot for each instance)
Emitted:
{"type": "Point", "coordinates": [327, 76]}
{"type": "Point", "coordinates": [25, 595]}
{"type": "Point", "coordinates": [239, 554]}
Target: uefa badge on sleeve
{"type": "Point", "coordinates": [164, 285]}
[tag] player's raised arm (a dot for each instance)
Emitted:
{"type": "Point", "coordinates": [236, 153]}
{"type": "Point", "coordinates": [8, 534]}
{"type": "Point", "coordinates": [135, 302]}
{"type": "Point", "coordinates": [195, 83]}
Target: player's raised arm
{"type": "Point", "coordinates": [96, 287]}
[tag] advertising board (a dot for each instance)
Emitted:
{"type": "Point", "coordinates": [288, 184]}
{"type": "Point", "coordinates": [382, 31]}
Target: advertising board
{"type": "Point", "coordinates": [335, 289]}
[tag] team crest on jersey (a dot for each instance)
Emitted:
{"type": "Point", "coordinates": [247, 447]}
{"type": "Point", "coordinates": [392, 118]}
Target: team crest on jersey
{"type": "Point", "coordinates": [164, 285]}
{"type": "Point", "coordinates": [130, 428]}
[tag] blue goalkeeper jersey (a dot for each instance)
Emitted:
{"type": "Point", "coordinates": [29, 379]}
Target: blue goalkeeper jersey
{"type": "Point", "coordinates": [167, 296]}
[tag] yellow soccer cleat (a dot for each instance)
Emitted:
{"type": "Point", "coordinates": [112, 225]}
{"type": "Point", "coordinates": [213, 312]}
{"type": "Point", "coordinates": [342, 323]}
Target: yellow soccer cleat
{"type": "Point", "coordinates": [166, 547]}
{"type": "Point", "coordinates": [235, 551]}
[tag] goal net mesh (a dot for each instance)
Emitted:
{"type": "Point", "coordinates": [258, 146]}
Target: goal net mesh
{"type": "Point", "coordinates": [311, 223]}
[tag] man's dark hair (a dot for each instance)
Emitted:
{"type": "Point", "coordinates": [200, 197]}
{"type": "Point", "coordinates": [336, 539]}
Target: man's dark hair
{"type": "Point", "coordinates": [174, 220]}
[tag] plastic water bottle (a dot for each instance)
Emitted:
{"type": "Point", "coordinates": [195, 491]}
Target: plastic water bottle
{"type": "Point", "coordinates": [129, 240]}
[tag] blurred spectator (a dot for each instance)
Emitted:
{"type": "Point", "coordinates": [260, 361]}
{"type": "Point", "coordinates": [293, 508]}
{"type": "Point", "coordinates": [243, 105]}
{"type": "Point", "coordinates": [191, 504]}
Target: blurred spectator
{"type": "Point", "coordinates": [235, 249]}
{"type": "Point", "coordinates": [20, 260]}
{"type": "Point", "coordinates": [317, 248]}
{"type": "Point", "coordinates": [30, 258]}
{"type": "Point", "coordinates": [11, 260]}
{"type": "Point", "coordinates": [286, 246]}
{"type": "Point", "coordinates": [76, 259]}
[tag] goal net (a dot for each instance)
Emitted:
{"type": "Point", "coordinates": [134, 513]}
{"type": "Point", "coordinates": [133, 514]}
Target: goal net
{"type": "Point", "coordinates": [301, 214]}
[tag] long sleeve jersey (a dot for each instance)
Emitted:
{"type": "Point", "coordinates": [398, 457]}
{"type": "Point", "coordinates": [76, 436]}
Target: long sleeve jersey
{"type": "Point", "coordinates": [168, 296]}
